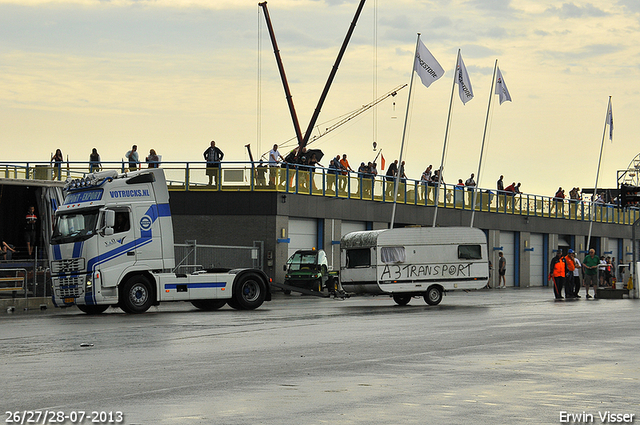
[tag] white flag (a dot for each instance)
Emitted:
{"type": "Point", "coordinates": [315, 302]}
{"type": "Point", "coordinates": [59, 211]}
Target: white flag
{"type": "Point", "coordinates": [610, 120]}
{"type": "Point", "coordinates": [462, 79]}
{"type": "Point", "coordinates": [426, 65]}
{"type": "Point", "coordinates": [501, 88]}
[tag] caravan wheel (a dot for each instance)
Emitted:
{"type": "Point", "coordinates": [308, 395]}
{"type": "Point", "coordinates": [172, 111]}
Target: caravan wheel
{"type": "Point", "coordinates": [402, 299]}
{"type": "Point", "coordinates": [433, 295]}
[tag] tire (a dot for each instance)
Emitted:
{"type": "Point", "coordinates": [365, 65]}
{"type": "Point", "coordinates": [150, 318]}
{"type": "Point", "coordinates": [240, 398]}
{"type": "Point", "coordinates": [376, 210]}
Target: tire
{"type": "Point", "coordinates": [317, 285]}
{"type": "Point", "coordinates": [234, 304]}
{"type": "Point", "coordinates": [433, 296]}
{"type": "Point", "coordinates": [93, 309]}
{"type": "Point", "coordinates": [331, 284]}
{"type": "Point", "coordinates": [209, 305]}
{"type": "Point", "coordinates": [249, 292]}
{"type": "Point", "coordinates": [401, 299]}
{"type": "Point", "coordinates": [136, 296]}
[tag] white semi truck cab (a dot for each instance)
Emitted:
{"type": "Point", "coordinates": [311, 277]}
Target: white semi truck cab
{"type": "Point", "coordinates": [112, 245]}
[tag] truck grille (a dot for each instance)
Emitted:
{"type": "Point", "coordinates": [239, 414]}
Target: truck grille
{"type": "Point", "coordinates": [67, 266]}
{"type": "Point", "coordinates": [69, 286]}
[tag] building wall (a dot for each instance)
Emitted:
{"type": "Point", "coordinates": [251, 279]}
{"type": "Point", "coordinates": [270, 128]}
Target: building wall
{"type": "Point", "coordinates": [239, 218]}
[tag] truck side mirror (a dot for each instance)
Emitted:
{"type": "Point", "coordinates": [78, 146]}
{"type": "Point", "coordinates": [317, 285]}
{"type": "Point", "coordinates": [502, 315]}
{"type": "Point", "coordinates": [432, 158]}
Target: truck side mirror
{"type": "Point", "coordinates": [284, 267]}
{"type": "Point", "coordinates": [109, 221]}
{"type": "Point", "coordinates": [110, 218]}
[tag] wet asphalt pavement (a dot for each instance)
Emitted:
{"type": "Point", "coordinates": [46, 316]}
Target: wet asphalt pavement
{"type": "Point", "coordinates": [487, 357]}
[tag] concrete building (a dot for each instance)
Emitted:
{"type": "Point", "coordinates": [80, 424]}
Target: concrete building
{"type": "Point", "coordinates": [290, 221]}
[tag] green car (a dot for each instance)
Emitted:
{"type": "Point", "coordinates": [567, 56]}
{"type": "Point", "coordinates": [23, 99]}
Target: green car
{"type": "Point", "coordinates": [309, 269]}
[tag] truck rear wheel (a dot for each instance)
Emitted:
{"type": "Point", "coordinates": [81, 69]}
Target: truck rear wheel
{"type": "Point", "coordinates": [93, 309]}
{"type": "Point", "coordinates": [401, 299]}
{"type": "Point", "coordinates": [433, 295]}
{"type": "Point", "coordinates": [209, 305]}
{"type": "Point", "coordinates": [249, 292]}
{"type": "Point", "coordinates": [136, 295]}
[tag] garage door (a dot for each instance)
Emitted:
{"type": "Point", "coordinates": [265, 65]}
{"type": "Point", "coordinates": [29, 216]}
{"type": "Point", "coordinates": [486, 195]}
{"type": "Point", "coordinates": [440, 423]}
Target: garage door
{"type": "Point", "coordinates": [506, 241]}
{"type": "Point", "coordinates": [303, 233]}
{"type": "Point", "coordinates": [352, 226]}
{"type": "Point", "coordinates": [536, 271]}
{"type": "Point", "coordinates": [612, 248]}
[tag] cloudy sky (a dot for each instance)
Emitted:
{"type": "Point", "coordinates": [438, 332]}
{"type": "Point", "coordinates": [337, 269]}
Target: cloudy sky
{"type": "Point", "coordinates": [173, 75]}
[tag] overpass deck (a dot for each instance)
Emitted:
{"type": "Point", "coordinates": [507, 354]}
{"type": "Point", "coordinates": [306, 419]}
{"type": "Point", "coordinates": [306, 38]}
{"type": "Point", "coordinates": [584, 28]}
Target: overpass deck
{"type": "Point", "coordinates": [248, 177]}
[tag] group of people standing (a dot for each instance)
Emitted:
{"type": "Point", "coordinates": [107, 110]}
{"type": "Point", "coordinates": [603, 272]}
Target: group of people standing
{"type": "Point", "coordinates": [95, 164]}
{"type": "Point", "coordinates": [134, 159]}
{"type": "Point", "coordinates": [565, 273]}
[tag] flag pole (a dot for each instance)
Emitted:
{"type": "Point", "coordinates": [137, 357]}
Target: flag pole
{"type": "Point", "coordinates": [444, 147]}
{"type": "Point", "coordinates": [404, 132]}
{"type": "Point", "coordinates": [484, 135]}
{"type": "Point", "coordinates": [377, 156]}
{"type": "Point", "coordinates": [595, 189]}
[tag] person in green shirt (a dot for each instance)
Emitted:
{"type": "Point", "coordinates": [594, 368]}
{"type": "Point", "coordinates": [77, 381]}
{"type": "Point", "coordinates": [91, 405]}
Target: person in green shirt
{"type": "Point", "coordinates": [590, 266]}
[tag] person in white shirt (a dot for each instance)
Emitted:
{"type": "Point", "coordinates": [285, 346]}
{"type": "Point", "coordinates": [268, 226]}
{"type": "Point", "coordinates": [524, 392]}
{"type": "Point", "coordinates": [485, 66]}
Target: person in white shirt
{"type": "Point", "coordinates": [274, 161]}
{"type": "Point", "coordinates": [576, 275]}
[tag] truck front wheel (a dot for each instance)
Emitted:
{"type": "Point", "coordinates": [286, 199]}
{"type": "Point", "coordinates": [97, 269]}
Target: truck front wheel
{"type": "Point", "coordinates": [136, 295]}
{"type": "Point", "coordinates": [433, 295]}
{"type": "Point", "coordinates": [93, 309]}
{"type": "Point", "coordinates": [249, 292]}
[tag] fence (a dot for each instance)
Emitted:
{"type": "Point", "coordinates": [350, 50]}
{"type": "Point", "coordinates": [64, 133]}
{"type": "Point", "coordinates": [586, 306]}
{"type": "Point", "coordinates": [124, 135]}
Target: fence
{"type": "Point", "coordinates": [25, 279]}
{"type": "Point", "coordinates": [191, 256]}
{"type": "Point", "coordinates": [246, 176]}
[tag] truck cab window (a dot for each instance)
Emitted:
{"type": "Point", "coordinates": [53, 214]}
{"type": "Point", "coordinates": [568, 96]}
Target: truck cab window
{"type": "Point", "coordinates": [469, 252]}
{"type": "Point", "coordinates": [122, 222]}
{"type": "Point", "coordinates": [393, 254]}
{"type": "Point", "coordinates": [358, 258]}
{"type": "Point", "coordinates": [74, 226]}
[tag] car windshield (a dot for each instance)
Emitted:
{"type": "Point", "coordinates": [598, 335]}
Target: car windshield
{"type": "Point", "coordinates": [75, 226]}
{"type": "Point", "coordinates": [299, 261]}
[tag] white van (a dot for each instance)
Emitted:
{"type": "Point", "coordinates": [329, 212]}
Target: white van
{"type": "Point", "coordinates": [414, 261]}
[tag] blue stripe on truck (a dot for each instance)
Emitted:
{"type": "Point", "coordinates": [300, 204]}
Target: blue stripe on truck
{"type": "Point", "coordinates": [197, 285]}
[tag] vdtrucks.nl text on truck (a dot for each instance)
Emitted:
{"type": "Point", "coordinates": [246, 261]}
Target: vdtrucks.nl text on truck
{"type": "Point", "coordinates": [112, 245]}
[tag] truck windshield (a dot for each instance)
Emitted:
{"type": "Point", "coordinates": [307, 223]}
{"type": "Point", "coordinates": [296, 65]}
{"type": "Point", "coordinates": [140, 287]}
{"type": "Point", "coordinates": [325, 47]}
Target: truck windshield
{"type": "Point", "coordinates": [73, 227]}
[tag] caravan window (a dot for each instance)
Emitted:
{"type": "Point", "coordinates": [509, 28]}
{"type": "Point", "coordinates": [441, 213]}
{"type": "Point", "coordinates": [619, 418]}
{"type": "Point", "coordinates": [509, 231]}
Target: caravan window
{"type": "Point", "coordinates": [469, 252]}
{"type": "Point", "coordinates": [358, 258]}
{"type": "Point", "coordinates": [392, 254]}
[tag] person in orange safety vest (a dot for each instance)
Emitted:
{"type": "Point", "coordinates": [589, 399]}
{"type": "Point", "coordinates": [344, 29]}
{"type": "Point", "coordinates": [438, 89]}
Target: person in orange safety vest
{"type": "Point", "coordinates": [557, 273]}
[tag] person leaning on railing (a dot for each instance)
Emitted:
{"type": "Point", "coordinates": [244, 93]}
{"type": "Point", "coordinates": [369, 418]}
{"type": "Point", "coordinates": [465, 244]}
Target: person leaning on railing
{"type": "Point", "coordinates": [213, 156]}
{"type": "Point", "coordinates": [274, 159]}
{"type": "Point", "coordinates": [94, 161]}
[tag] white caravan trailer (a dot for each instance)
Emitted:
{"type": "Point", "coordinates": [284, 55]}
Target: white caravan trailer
{"type": "Point", "coordinates": [413, 261]}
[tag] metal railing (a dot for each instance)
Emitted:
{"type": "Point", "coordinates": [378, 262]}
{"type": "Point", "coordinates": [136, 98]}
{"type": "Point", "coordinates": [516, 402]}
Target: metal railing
{"type": "Point", "coordinates": [245, 176]}
{"type": "Point", "coordinates": [191, 256]}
